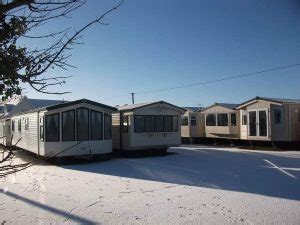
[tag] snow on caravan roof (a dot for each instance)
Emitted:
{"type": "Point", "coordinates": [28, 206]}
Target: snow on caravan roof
{"type": "Point", "coordinates": [140, 105]}
{"type": "Point", "coordinates": [41, 103]}
{"type": "Point", "coordinates": [226, 105]}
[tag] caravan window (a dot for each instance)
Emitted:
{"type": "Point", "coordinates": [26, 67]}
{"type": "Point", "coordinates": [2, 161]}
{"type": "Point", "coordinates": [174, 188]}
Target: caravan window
{"type": "Point", "coordinates": [244, 118]}
{"type": "Point", "coordinates": [193, 121]}
{"type": "Point", "coordinates": [168, 123]}
{"type": "Point", "coordinates": [27, 123]}
{"type": "Point", "coordinates": [149, 123]}
{"type": "Point", "coordinates": [184, 121]}
{"type": "Point", "coordinates": [12, 125]}
{"type": "Point", "coordinates": [96, 125]}
{"type": "Point", "coordinates": [222, 119]}
{"type": "Point", "coordinates": [19, 125]}
{"type": "Point", "coordinates": [159, 123]}
{"type": "Point", "coordinates": [233, 119]}
{"type": "Point", "coordinates": [82, 119]}
{"type": "Point", "coordinates": [211, 120]}
{"type": "Point", "coordinates": [175, 124]}
{"type": "Point", "coordinates": [125, 120]}
{"type": "Point", "coordinates": [52, 127]}
{"type": "Point", "coordinates": [277, 116]}
{"type": "Point", "coordinates": [139, 124]}
{"type": "Point", "coordinates": [68, 125]}
{"type": "Point", "coordinates": [107, 127]}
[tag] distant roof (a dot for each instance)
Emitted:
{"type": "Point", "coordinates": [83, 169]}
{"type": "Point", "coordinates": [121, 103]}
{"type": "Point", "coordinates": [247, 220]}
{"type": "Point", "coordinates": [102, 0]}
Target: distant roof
{"type": "Point", "coordinates": [132, 106]}
{"type": "Point", "coordinates": [41, 103]}
{"type": "Point", "coordinates": [193, 109]}
{"type": "Point", "coordinates": [226, 105]}
{"type": "Point", "coordinates": [140, 105]}
{"type": "Point", "coordinates": [276, 100]}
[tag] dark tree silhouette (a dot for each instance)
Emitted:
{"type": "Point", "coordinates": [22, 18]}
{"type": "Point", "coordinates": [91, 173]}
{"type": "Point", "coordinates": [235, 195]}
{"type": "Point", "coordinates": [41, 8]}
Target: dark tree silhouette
{"type": "Point", "coordinates": [18, 18]}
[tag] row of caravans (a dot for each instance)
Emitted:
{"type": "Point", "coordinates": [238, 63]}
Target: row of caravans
{"type": "Point", "coordinates": [259, 119]}
{"type": "Point", "coordinates": [84, 127]}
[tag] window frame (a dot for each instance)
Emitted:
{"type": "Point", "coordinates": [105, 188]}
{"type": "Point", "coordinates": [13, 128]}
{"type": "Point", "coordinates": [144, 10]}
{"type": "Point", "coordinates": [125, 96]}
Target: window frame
{"type": "Point", "coordinates": [20, 125]}
{"type": "Point", "coordinates": [226, 124]}
{"type": "Point", "coordinates": [79, 108]}
{"type": "Point", "coordinates": [171, 119]}
{"type": "Point", "coordinates": [145, 118]}
{"type": "Point", "coordinates": [45, 130]}
{"type": "Point", "coordinates": [122, 123]}
{"type": "Point", "coordinates": [215, 119]}
{"type": "Point", "coordinates": [135, 126]}
{"type": "Point", "coordinates": [184, 119]}
{"type": "Point", "coordinates": [27, 123]}
{"type": "Point", "coordinates": [110, 124]}
{"type": "Point", "coordinates": [163, 121]}
{"type": "Point", "coordinates": [235, 116]}
{"type": "Point", "coordinates": [193, 119]}
{"type": "Point", "coordinates": [90, 125]}
{"type": "Point", "coordinates": [62, 125]}
{"type": "Point", "coordinates": [176, 128]}
{"type": "Point", "coordinates": [12, 125]}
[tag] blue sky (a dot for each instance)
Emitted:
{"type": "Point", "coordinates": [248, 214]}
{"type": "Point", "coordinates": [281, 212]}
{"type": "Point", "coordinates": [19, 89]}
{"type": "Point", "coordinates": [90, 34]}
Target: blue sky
{"type": "Point", "coordinates": [158, 44]}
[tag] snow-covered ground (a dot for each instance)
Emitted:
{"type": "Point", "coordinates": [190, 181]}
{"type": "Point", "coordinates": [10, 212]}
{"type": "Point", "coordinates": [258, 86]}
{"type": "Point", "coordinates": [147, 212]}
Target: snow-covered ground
{"type": "Point", "coordinates": [196, 184]}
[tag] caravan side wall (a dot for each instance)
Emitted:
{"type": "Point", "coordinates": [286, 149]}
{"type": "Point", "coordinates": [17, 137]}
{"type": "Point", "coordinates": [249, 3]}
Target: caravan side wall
{"type": "Point", "coordinates": [153, 140]}
{"type": "Point", "coordinates": [196, 131]}
{"type": "Point", "coordinates": [26, 137]}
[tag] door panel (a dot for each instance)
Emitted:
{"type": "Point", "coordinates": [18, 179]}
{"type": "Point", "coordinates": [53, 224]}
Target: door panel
{"type": "Point", "coordinates": [263, 123]}
{"type": "Point", "coordinates": [252, 124]}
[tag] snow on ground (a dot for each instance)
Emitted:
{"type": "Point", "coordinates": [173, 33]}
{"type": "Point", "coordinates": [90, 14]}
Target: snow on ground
{"type": "Point", "coordinates": [196, 184]}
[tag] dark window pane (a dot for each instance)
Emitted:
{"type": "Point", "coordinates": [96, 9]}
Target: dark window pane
{"type": "Point", "coordinates": [184, 121]}
{"type": "Point", "coordinates": [252, 124]}
{"type": "Point", "coordinates": [82, 124]}
{"type": "Point", "coordinates": [107, 127]}
{"type": "Point", "coordinates": [193, 121]}
{"type": "Point", "coordinates": [12, 125]}
{"type": "Point", "coordinates": [167, 123]}
{"type": "Point", "coordinates": [52, 127]}
{"type": "Point", "coordinates": [149, 123]}
{"type": "Point", "coordinates": [262, 123]}
{"type": "Point", "coordinates": [244, 118]}
{"type": "Point", "coordinates": [159, 123]}
{"type": "Point", "coordinates": [277, 116]}
{"type": "Point", "coordinates": [139, 123]}
{"type": "Point", "coordinates": [211, 120]}
{"type": "Point", "coordinates": [175, 124]}
{"type": "Point", "coordinates": [222, 119]}
{"type": "Point", "coordinates": [68, 125]}
{"type": "Point", "coordinates": [125, 120]}
{"type": "Point", "coordinates": [233, 119]}
{"type": "Point", "coordinates": [96, 125]}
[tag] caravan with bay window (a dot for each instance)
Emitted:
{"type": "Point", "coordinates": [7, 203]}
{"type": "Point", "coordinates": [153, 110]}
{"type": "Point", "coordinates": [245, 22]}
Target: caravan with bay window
{"type": "Point", "coordinates": [81, 127]}
{"type": "Point", "coordinates": [147, 126]}
{"type": "Point", "coordinates": [270, 119]}
{"type": "Point", "coordinates": [222, 121]}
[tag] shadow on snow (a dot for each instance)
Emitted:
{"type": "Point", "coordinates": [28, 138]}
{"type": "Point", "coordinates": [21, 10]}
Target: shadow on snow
{"type": "Point", "coordinates": [227, 170]}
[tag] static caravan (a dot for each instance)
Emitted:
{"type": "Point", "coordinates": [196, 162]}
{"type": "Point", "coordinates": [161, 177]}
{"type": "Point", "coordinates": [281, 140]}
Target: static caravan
{"type": "Point", "coordinates": [81, 127]}
{"type": "Point", "coordinates": [192, 124]}
{"type": "Point", "coordinates": [147, 126]}
{"type": "Point", "coordinates": [18, 105]}
{"type": "Point", "coordinates": [222, 121]}
{"type": "Point", "coordinates": [270, 119]}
